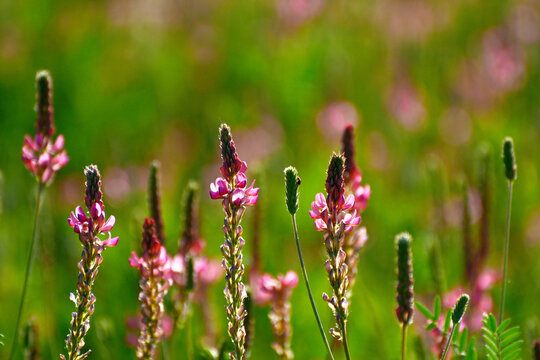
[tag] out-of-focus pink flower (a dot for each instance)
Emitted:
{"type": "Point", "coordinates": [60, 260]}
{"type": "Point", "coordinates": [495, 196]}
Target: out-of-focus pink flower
{"type": "Point", "coordinates": [135, 323]}
{"type": "Point", "coordinates": [296, 12]}
{"type": "Point", "coordinates": [335, 117]}
{"type": "Point", "coordinates": [406, 106]}
{"type": "Point", "coordinates": [502, 61]}
{"type": "Point", "coordinates": [271, 288]}
{"type": "Point", "coordinates": [207, 271]}
{"type": "Point", "coordinates": [455, 126]}
{"type": "Point", "coordinates": [154, 261]}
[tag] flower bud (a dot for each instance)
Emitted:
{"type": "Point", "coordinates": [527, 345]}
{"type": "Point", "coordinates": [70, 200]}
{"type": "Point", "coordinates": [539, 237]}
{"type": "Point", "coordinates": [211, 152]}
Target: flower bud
{"type": "Point", "coordinates": [334, 180]}
{"type": "Point", "coordinates": [93, 186]}
{"type": "Point", "coordinates": [405, 294]}
{"type": "Point", "coordinates": [292, 181]}
{"type": "Point", "coordinates": [509, 159]}
{"type": "Point", "coordinates": [231, 162]}
{"type": "Point", "coordinates": [460, 308]}
{"type": "Point", "coordinates": [190, 235]}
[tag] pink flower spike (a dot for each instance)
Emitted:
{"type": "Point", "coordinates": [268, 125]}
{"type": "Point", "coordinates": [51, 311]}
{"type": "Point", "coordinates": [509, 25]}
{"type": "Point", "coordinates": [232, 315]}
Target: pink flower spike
{"type": "Point", "coordinates": [243, 167]}
{"type": "Point", "coordinates": [251, 200]}
{"type": "Point", "coordinates": [109, 224]}
{"type": "Point", "coordinates": [110, 242]}
{"type": "Point", "coordinates": [320, 225]}
{"type": "Point", "coordinates": [47, 175]}
{"type": "Point", "coordinates": [44, 159]}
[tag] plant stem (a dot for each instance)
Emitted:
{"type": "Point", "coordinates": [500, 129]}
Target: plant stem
{"type": "Point", "coordinates": [403, 340]}
{"type": "Point", "coordinates": [506, 248]}
{"type": "Point", "coordinates": [29, 264]}
{"type": "Point", "coordinates": [345, 343]}
{"type": "Point", "coordinates": [449, 341]}
{"type": "Point", "coordinates": [189, 338]}
{"type": "Point", "coordinates": [304, 273]}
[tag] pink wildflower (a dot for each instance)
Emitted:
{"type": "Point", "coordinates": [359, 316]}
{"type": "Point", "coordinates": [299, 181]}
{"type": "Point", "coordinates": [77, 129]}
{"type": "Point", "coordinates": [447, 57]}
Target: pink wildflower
{"type": "Point", "coordinates": [41, 155]}
{"type": "Point", "coordinates": [277, 292]}
{"type": "Point", "coordinates": [89, 225]}
{"type": "Point", "coordinates": [232, 189]}
{"type": "Point", "coordinates": [156, 279]}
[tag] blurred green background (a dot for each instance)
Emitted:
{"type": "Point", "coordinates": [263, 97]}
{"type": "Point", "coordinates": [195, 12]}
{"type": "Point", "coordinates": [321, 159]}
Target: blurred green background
{"type": "Point", "coordinates": [152, 79]}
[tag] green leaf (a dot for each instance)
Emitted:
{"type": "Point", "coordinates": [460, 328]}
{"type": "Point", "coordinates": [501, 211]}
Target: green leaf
{"type": "Point", "coordinates": [447, 320]}
{"type": "Point", "coordinates": [501, 342]}
{"type": "Point", "coordinates": [437, 308]}
{"type": "Point", "coordinates": [431, 326]}
{"type": "Point", "coordinates": [425, 311]}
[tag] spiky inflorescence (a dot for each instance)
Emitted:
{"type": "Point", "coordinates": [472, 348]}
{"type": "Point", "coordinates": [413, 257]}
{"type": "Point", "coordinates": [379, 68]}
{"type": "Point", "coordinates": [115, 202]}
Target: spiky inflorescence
{"type": "Point", "coordinates": [236, 196]}
{"type": "Point", "coordinates": [460, 308]}
{"type": "Point", "coordinates": [156, 278]}
{"type": "Point", "coordinates": [40, 154]}
{"type": "Point", "coordinates": [189, 246]}
{"type": "Point", "coordinates": [336, 216]}
{"type": "Point", "coordinates": [89, 225]}
{"type": "Point", "coordinates": [154, 199]}
{"type": "Point", "coordinates": [509, 159]}
{"type": "Point", "coordinates": [405, 281]}
{"type": "Point", "coordinates": [352, 176]}
{"type": "Point", "coordinates": [292, 181]}
{"type": "Point", "coordinates": [44, 106]}
{"type": "Point", "coordinates": [190, 240]}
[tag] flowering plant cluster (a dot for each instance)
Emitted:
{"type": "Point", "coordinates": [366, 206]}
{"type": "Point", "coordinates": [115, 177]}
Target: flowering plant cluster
{"type": "Point", "coordinates": [336, 213]}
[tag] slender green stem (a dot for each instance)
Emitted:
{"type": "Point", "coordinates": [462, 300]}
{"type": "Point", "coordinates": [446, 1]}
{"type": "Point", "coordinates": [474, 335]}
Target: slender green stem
{"type": "Point", "coordinates": [506, 249]}
{"type": "Point", "coordinates": [403, 340]}
{"type": "Point", "coordinates": [304, 273]}
{"type": "Point", "coordinates": [345, 343]}
{"type": "Point", "coordinates": [449, 341]}
{"type": "Point", "coordinates": [189, 339]}
{"type": "Point", "coordinates": [29, 264]}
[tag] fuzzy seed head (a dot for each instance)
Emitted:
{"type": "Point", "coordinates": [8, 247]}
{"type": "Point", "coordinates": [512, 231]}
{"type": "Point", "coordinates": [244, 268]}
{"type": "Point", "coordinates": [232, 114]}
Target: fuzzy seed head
{"type": "Point", "coordinates": [405, 281]}
{"type": "Point", "coordinates": [335, 186]}
{"type": "Point", "coordinates": [292, 181]}
{"type": "Point", "coordinates": [509, 159]}
{"type": "Point", "coordinates": [93, 186]}
{"type": "Point", "coordinates": [44, 108]}
{"type": "Point", "coordinates": [460, 308]}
